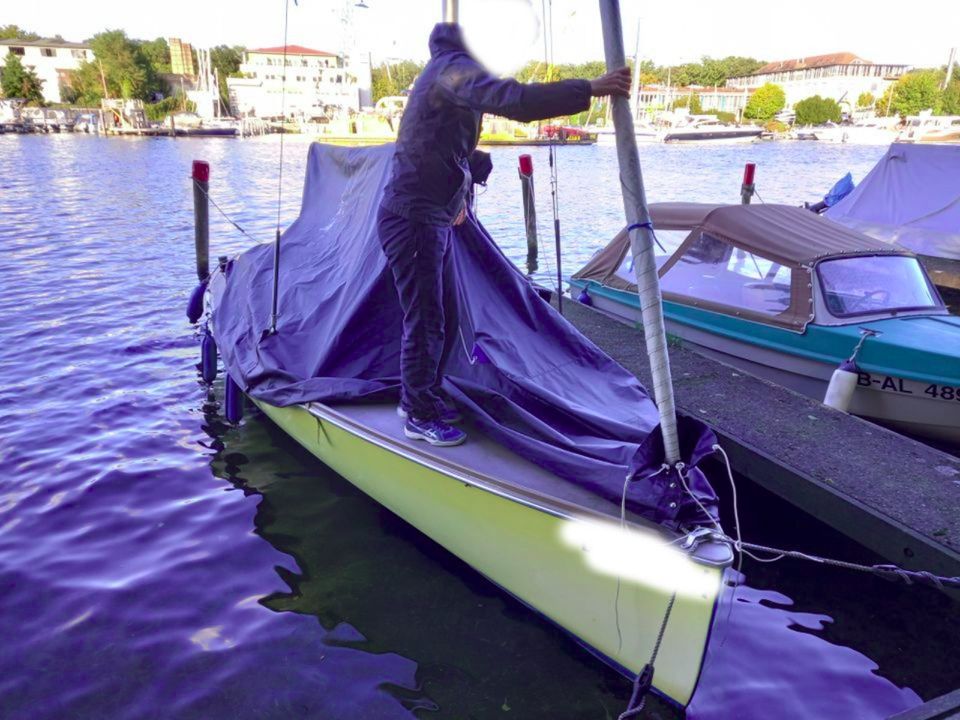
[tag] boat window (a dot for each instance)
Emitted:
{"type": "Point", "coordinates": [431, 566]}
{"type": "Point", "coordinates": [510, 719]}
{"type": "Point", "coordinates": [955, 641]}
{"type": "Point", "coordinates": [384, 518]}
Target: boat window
{"type": "Point", "coordinates": [720, 273]}
{"type": "Point", "coordinates": [669, 239]}
{"type": "Point", "coordinates": [872, 284]}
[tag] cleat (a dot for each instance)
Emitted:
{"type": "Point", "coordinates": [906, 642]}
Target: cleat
{"type": "Point", "coordinates": [435, 432]}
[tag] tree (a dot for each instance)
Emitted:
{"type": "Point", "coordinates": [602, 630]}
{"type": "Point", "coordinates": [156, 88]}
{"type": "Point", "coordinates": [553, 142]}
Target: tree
{"type": "Point", "coordinates": [121, 64]}
{"type": "Point", "coordinates": [226, 60]}
{"type": "Point", "coordinates": [865, 100]}
{"type": "Point", "coordinates": [950, 101]}
{"type": "Point", "coordinates": [394, 78]}
{"type": "Point", "coordinates": [766, 102]}
{"type": "Point", "coordinates": [915, 91]}
{"type": "Point", "coordinates": [157, 54]}
{"type": "Point", "coordinates": [20, 82]}
{"type": "Point", "coordinates": [14, 32]}
{"type": "Point", "coordinates": [817, 110]}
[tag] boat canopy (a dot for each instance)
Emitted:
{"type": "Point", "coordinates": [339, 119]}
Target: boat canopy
{"type": "Point", "coordinates": [750, 260]}
{"type": "Point", "coordinates": [912, 197]}
{"type": "Point", "coordinates": [520, 372]}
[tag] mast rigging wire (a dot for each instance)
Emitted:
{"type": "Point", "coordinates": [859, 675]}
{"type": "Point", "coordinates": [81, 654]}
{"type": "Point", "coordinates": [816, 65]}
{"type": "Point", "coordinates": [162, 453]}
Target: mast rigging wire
{"type": "Point", "coordinates": [283, 111]}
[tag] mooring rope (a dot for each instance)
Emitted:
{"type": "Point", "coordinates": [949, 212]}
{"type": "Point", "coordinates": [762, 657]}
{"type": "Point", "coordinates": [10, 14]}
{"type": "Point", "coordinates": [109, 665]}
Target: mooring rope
{"type": "Point", "coordinates": [885, 571]}
{"type": "Point", "coordinates": [222, 212]}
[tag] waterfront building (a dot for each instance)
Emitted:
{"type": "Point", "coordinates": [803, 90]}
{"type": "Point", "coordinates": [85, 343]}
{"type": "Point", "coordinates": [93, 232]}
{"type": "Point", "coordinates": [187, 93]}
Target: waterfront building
{"type": "Point", "coordinates": [664, 97]}
{"type": "Point", "coordinates": [839, 76]}
{"type": "Point", "coordinates": [53, 61]}
{"type": "Point", "coordinates": [318, 84]}
{"type": "Point", "coordinates": [181, 57]}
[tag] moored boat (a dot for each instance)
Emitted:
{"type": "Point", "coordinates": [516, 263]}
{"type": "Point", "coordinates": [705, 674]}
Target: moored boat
{"type": "Point", "coordinates": [557, 497]}
{"type": "Point", "coordinates": [790, 296]}
{"type": "Point", "coordinates": [912, 197]}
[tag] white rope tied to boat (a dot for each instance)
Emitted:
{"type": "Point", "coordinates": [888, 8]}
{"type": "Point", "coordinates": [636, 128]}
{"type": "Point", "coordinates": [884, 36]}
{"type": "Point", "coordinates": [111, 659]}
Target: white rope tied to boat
{"type": "Point", "coordinates": [886, 571]}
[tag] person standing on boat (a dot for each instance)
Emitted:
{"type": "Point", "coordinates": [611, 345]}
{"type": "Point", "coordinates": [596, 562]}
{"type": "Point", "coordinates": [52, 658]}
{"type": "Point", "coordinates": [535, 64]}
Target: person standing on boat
{"type": "Point", "coordinates": [426, 196]}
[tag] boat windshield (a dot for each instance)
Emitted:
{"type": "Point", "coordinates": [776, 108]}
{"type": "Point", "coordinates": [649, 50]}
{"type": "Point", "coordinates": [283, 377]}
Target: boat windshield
{"type": "Point", "coordinates": [668, 242]}
{"type": "Point", "coordinates": [873, 284]}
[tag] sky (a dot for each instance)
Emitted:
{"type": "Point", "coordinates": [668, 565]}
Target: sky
{"type": "Point", "coordinates": [884, 31]}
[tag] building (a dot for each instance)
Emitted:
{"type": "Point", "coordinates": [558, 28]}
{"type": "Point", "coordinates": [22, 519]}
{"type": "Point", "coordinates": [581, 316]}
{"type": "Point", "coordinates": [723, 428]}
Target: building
{"type": "Point", "coordinates": [181, 57]}
{"type": "Point", "coordinates": [318, 83]}
{"type": "Point", "coordinates": [840, 76]}
{"type": "Point", "coordinates": [52, 61]}
{"type": "Point", "coordinates": [721, 99]}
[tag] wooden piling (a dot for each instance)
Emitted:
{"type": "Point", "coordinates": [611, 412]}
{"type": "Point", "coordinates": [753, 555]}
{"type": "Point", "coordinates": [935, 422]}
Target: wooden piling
{"type": "Point", "coordinates": [529, 211]}
{"type": "Point", "coordinates": [201, 216]}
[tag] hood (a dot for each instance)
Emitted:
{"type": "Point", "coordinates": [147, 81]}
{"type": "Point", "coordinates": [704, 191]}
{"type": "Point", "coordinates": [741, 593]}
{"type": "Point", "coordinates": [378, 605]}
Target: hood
{"type": "Point", "coordinates": [446, 38]}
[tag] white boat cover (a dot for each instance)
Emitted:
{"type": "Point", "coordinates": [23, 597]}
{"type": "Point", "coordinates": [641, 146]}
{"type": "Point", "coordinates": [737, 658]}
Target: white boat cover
{"type": "Point", "coordinates": [912, 196]}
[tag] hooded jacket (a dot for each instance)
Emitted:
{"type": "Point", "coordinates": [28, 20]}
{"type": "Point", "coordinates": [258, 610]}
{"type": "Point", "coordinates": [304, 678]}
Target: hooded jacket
{"type": "Point", "coordinates": [430, 175]}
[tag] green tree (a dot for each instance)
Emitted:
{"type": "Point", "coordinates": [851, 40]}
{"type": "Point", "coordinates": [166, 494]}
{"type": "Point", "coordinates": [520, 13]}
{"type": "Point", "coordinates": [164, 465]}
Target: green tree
{"type": "Point", "coordinates": [157, 54]}
{"type": "Point", "coordinates": [817, 110]}
{"type": "Point", "coordinates": [766, 102]}
{"type": "Point", "coordinates": [18, 81]}
{"type": "Point", "coordinates": [226, 60]}
{"type": "Point", "coordinates": [121, 64]}
{"type": "Point", "coordinates": [14, 32]}
{"type": "Point", "coordinates": [394, 78]}
{"type": "Point", "coordinates": [915, 91]}
{"type": "Point", "coordinates": [866, 100]}
{"type": "Point", "coordinates": [950, 101]}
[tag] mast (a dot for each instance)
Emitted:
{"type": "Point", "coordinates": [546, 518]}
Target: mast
{"type": "Point", "coordinates": [641, 237]}
{"type": "Point", "coordinates": [451, 11]}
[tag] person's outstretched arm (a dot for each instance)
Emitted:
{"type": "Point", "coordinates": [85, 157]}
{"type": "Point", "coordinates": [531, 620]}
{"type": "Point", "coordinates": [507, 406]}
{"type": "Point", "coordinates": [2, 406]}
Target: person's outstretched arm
{"type": "Point", "coordinates": [469, 84]}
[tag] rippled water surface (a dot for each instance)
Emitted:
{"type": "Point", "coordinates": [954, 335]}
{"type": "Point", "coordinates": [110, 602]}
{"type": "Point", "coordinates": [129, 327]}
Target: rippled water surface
{"type": "Point", "coordinates": [158, 563]}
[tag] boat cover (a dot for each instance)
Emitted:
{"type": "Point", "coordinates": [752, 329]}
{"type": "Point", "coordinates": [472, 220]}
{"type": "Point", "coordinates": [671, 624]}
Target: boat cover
{"type": "Point", "coordinates": [912, 196]}
{"type": "Point", "coordinates": [522, 373]}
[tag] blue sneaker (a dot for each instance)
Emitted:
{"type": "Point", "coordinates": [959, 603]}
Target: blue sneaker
{"type": "Point", "coordinates": [435, 432]}
{"type": "Point", "coordinates": [447, 415]}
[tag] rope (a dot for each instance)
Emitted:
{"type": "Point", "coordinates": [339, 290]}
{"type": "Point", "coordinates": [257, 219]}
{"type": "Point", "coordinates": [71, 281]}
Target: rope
{"type": "Point", "coordinates": [644, 680]}
{"type": "Point", "coordinates": [885, 571]}
{"type": "Point", "coordinates": [221, 211]}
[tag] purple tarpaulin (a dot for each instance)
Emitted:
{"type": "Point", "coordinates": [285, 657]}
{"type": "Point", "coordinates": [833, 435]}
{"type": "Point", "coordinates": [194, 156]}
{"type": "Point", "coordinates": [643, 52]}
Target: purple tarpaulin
{"type": "Point", "coordinates": [523, 374]}
{"type": "Point", "coordinates": [912, 196]}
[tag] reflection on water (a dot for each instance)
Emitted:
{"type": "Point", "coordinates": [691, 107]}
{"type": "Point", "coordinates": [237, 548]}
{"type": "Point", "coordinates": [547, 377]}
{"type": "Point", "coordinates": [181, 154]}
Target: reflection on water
{"type": "Point", "coordinates": [155, 562]}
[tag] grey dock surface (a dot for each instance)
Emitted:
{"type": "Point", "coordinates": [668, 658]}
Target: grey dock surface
{"type": "Point", "coordinates": [894, 495]}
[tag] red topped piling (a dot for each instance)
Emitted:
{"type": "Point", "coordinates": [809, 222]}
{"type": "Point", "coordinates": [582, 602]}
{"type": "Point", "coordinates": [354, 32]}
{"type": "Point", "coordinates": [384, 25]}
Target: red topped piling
{"type": "Point", "coordinates": [748, 188]}
{"type": "Point", "coordinates": [526, 165]}
{"type": "Point", "coordinates": [201, 216]}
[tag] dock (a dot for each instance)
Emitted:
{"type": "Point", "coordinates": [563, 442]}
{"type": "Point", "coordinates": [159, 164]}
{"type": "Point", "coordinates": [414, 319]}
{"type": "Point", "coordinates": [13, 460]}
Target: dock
{"type": "Point", "coordinates": [894, 495]}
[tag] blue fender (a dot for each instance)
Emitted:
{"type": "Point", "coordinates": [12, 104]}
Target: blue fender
{"type": "Point", "coordinates": [195, 305]}
{"type": "Point", "coordinates": [208, 357]}
{"type": "Point", "coordinates": [233, 402]}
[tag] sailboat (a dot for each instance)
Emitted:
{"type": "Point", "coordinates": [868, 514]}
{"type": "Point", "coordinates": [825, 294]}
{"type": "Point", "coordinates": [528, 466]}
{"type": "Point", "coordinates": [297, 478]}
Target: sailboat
{"type": "Point", "coordinates": [575, 493]}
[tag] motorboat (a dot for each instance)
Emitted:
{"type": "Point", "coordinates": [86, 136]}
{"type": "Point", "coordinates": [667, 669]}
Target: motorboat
{"type": "Point", "coordinates": [190, 124]}
{"type": "Point", "coordinates": [707, 128]}
{"type": "Point", "coordinates": [878, 131]}
{"type": "Point", "coordinates": [929, 128]}
{"type": "Point", "coordinates": [912, 197]}
{"type": "Point", "coordinates": [790, 296]}
{"type": "Point", "coordinates": [560, 495]}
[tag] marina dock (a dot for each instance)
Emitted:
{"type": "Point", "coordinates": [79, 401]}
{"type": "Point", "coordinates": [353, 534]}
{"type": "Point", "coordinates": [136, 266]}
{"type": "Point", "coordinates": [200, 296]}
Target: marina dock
{"type": "Point", "coordinates": [892, 494]}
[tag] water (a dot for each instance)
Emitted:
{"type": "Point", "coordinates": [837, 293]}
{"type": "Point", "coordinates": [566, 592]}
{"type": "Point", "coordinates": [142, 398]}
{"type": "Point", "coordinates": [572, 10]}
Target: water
{"type": "Point", "coordinates": [157, 563]}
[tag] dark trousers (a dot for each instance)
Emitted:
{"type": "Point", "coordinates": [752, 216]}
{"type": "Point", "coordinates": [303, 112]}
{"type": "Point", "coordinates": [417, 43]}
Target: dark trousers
{"type": "Point", "coordinates": [419, 257]}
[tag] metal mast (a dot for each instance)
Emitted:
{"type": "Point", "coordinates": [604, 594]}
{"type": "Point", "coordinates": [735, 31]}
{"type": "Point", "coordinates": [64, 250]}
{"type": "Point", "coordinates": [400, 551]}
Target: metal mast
{"type": "Point", "coordinates": [640, 230]}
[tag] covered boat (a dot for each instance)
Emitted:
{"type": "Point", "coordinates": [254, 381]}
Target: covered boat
{"type": "Point", "coordinates": [560, 495]}
{"type": "Point", "coordinates": [790, 296]}
{"type": "Point", "coordinates": [912, 197]}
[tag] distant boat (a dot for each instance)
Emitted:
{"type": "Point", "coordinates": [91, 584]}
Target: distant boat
{"type": "Point", "coordinates": [189, 124]}
{"type": "Point", "coordinates": [707, 128]}
{"type": "Point", "coordinates": [878, 131]}
{"type": "Point", "coordinates": [788, 295]}
{"type": "Point", "coordinates": [929, 128]}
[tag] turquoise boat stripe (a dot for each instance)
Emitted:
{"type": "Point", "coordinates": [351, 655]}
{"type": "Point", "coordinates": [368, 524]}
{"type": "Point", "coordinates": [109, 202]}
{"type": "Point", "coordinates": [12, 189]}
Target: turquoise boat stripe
{"type": "Point", "coordinates": [921, 348]}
